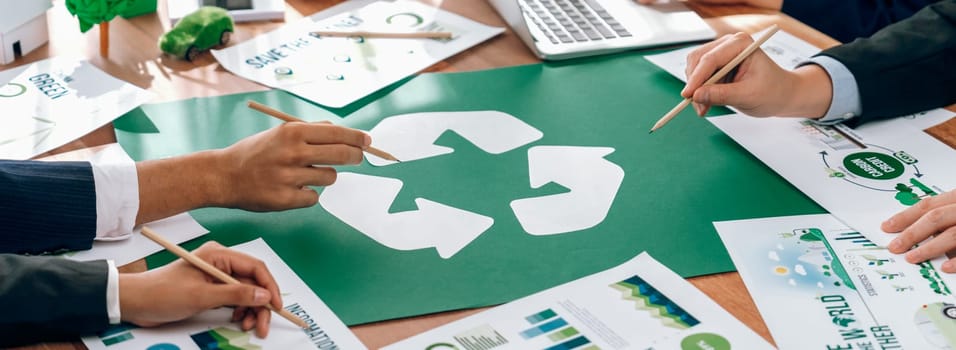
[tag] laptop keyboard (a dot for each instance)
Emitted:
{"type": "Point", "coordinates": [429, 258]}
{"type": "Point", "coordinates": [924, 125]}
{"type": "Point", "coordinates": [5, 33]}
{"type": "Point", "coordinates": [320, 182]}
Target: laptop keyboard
{"type": "Point", "coordinates": [568, 21]}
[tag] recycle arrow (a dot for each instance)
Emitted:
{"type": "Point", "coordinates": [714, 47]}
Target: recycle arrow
{"type": "Point", "coordinates": [411, 137]}
{"type": "Point", "coordinates": [363, 201]}
{"type": "Point", "coordinates": [593, 181]}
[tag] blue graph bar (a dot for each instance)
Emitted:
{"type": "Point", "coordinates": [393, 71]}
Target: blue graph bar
{"type": "Point", "coordinates": [543, 328]}
{"type": "Point", "coordinates": [570, 344]}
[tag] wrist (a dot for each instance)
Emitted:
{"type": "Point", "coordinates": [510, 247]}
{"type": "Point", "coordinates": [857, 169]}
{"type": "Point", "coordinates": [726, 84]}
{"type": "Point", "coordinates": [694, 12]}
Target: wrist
{"type": "Point", "coordinates": [214, 173]}
{"type": "Point", "coordinates": [811, 93]}
{"type": "Point", "coordinates": [768, 4]}
{"type": "Point", "coordinates": [129, 286]}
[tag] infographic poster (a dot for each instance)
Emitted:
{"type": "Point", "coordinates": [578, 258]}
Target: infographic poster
{"type": "Point", "coordinates": [638, 305]}
{"type": "Point", "coordinates": [336, 71]}
{"type": "Point", "coordinates": [813, 275]}
{"type": "Point", "coordinates": [862, 176]}
{"type": "Point", "coordinates": [54, 101]}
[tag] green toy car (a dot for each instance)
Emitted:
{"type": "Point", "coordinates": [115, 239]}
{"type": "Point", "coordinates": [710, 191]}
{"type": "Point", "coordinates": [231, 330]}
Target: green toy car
{"type": "Point", "coordinates": [197, 32]}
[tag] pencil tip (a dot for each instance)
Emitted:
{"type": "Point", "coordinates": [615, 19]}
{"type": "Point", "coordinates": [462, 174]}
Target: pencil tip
{"type": "Point", "coordinates": [650, 132]}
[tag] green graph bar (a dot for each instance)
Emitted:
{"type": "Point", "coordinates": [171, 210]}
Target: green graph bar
{"type": "Point", "coordinates": [563, 334]}
{"type": "Point", "coordinates": [592, 347]}
{"type": "Point", "coordinates": [118, 339]}
{"type": "Point", "coordinates": [541, 316]}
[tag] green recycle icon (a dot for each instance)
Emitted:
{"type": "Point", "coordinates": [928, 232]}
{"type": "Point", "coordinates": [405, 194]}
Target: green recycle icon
{"type": "Point", "coordinates": [363, 201]}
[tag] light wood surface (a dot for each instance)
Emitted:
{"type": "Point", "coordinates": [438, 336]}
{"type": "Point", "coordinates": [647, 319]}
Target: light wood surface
{"type": "Point", "coordinates": [135, 57]}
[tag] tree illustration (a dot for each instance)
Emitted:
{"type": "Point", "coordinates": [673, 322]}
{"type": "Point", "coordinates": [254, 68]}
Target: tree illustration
{"type": "Point", "coordinates": [93, 12]}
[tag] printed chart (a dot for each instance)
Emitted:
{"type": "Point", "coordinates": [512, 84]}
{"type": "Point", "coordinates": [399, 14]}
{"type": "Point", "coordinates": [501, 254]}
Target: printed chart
{"type": "Point", "coordinates": [813, 275]}
{"type": "Point", "coordinates": [862, 176]}
{"type": "Point", "coordinates": [637, 305]}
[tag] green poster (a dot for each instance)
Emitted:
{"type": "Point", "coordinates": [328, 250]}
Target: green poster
{"type": "Point", "coordinates": [675, 183]}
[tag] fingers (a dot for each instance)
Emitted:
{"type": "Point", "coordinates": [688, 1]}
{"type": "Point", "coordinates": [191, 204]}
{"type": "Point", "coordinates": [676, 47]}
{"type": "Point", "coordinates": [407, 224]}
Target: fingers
{"type": "Point", "coordinates": [331, 154]}
{"type": "Point", "coordinates": [325, 134]}
{"type": "Point", "coordinates": [717, 94]}
{"type": "Point", "coordinates": [219, 295]}
{"type": "Point", "coordinates": [693, 59]}
{"type": "Point", "coordinates": [937, 246]}
{"type": "Point", "coordinates": [907, 217]}
{"type": "Point", "coordinates": [263, 318]}
{"type": "Point", "coordinates": [949, 266]}
{"type": "Point", "coordinates": [712, 60]}
{"type": "Point", "coordinates": [244, 268]}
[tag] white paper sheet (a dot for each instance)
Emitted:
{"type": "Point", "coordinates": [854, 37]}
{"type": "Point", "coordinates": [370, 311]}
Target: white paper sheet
{"type": "Point", "coordinates": [57, 100]}
{"type": "Point", "coordinates": [638, 305]}
{"type": "Point", "coordinates": [326, 332]}
{"type": "Point", "coordinates": [862, 176]}
{"type": "Point", "coordinates": [821, 285]}
{"type": "Point", "coordinates": [338, 71]}
{"type": "Point", "coordinates": [783, 48]}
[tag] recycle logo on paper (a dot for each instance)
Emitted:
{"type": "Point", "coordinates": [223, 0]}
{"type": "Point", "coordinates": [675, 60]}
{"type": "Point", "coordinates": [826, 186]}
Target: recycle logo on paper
{"type": "Point", "coordinates": [362, 201]}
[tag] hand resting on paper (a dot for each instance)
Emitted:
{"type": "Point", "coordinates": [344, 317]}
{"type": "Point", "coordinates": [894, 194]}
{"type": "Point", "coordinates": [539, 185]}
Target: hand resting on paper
{"type": "Point", "coordinates": [930, 216]}
{"type": "Point", "coordinates": [760, 87]}
{"type": "Point", "coordinates": [271, 170]}
{"type": "Point", "coordinates": [179, 290]}
{"type": "Point", "coordinates": [767, 4]}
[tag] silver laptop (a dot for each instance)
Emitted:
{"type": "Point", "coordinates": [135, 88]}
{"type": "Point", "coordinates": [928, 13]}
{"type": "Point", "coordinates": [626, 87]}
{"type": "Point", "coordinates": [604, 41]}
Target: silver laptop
{"type": "Point", "coordinates": [560, 29]}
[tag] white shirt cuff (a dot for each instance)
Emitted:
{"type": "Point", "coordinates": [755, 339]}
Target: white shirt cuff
{"type": "Point", "coordinates": [112, 293]}
{"type": "Point", "coordinates": [117, 193]}
{"type": "Point", "coordinates": [846, 96]}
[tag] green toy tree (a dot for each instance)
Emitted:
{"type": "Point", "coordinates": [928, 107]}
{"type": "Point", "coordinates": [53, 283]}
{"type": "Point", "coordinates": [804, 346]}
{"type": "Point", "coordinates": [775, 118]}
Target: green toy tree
{"type": "Point", "coordinates": [92, 12]}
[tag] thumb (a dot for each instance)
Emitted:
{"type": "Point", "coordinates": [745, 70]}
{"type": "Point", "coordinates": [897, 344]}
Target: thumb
{"type": "Point", "coordinates": [234, 294]}
{"type": "Point", "coordinates": [718, 94]}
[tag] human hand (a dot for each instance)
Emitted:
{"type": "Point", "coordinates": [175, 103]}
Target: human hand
{"type": "Point", "coordinates": [759, 87]}
{"type": "Point", "coordinates": [179, 290]}
{"type": "Point", "coordinates": [930, 216]}
{"type": "Point", "coordinates": [768, 4]}
{"type": "Point", "coordinates": [267, 171]}
{"type": "Point", "coordinates": [273, 169]}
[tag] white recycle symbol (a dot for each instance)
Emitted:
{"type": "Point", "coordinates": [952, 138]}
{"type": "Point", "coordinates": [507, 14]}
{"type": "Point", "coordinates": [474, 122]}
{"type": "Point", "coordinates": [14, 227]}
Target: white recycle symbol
{"type": "Point", "coordinates": [362, 201]}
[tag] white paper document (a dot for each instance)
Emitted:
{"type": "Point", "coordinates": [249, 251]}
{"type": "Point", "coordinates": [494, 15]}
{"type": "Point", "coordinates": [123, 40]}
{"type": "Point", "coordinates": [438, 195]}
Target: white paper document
{"type": "Point", "coordinates": [52, 102]}
{"type": "Point", "coordinates": [821, 285]}
{"type": "Point", "coordinates": [638, 305]}
{"type": "Point", "coordinates": [783, 48]}
{"type": "Point", "coordinates": [862, 176]}
{"type": "Point", "coordinates": [177, 229]}
{"type": "Point", "coordinates": [212, 329]}
{"type": "Point", "coordinates": [336, 71]}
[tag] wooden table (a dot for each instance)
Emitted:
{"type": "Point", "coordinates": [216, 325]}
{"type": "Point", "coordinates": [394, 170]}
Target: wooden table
{"type": "Point", "coordinates": [135, 57]}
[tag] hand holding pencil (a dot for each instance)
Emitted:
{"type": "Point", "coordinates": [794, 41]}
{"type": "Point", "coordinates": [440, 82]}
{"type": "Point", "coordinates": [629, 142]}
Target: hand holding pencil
{"type": "Point", "coordinates": [711, 63]}
{"type": "Point", "coordinates": [182, 289]}
{"type": "Point", "coordinates": [757, 86]}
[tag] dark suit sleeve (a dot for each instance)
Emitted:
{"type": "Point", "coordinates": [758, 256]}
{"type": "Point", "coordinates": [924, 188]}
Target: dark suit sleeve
{"type": "Point", "coordinates": [907, 67]}
{"type": "Point", "coordinates": [846, 20]}
{"type": "Point", "coordinates": [50, 299]}
{"type": "Point", "coordinates": [46, 206]}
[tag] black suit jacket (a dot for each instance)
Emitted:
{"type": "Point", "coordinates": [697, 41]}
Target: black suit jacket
{"type": "Point", "coordinates": [50, 299]}
{"type": "Point", "coordinates": [846, 20]}
{"type": "Point", "coordinates": [46, 206]}
{"type": "Point", "coordinates": [907, 67]}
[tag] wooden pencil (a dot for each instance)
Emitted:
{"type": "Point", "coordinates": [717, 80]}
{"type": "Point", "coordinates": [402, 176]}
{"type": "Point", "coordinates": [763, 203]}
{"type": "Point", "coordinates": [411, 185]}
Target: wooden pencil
{"type": "Point", "coordinates": [387, 35]}
{"type": "Point", "coordinates": [212, 270]}
{"type": "Point", "coordinates": [290, 118]}
{"type": "Point", "coordinates": [719, 75]}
